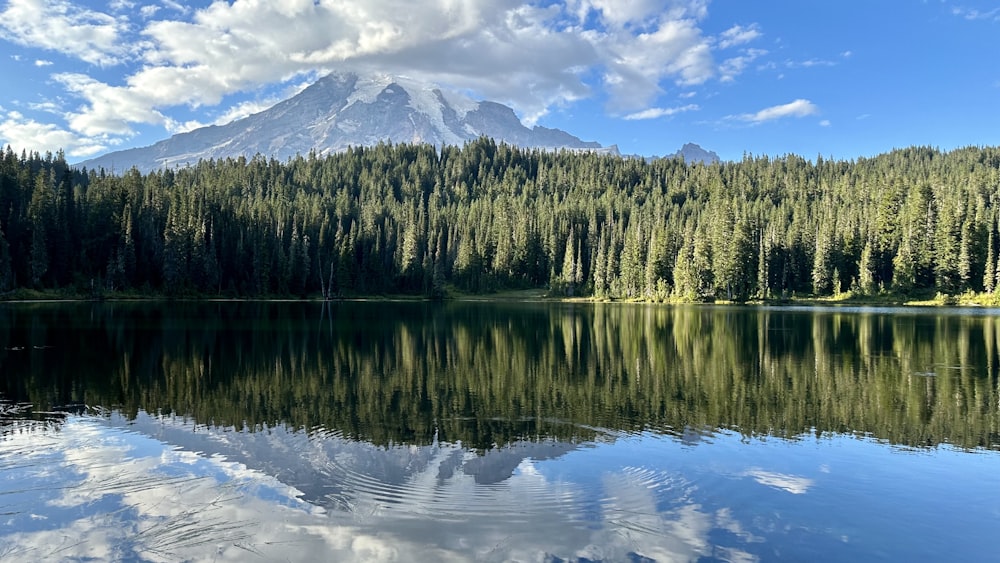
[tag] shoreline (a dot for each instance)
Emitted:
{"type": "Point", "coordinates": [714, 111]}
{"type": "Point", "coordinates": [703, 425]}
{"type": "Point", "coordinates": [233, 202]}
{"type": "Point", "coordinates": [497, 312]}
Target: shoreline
{"type": "Point", "coordinates": [533, 296]}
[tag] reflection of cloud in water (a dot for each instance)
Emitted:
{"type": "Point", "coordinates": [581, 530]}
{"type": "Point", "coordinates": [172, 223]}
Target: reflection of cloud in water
{"type": "Point", "coordinates": [790, 483]}
{"type": "Point", "coordinates": [108, 488]}
{"type": "Point", "coordinates": [630, 503]}
{"type": "Point", "coordinates": [725, 520]}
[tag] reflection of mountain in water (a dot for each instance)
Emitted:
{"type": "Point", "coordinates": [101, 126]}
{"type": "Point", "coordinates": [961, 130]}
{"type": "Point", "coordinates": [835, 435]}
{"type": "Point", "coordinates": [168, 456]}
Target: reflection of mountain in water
{"type": "Point", "coordinates": [494, 375]}
{"type": "Point", "coordinates": [166, 489]}
{"type": "Point", "coordinates": [338, 472]}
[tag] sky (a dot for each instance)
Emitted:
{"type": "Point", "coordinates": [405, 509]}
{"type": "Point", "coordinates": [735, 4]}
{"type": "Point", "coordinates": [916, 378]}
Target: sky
{"type": "Point", "coordinates": [845, 79]}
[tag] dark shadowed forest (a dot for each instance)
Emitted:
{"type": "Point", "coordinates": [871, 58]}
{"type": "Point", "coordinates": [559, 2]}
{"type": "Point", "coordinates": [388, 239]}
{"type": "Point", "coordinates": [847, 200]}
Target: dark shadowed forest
{"type": "Point", "coordinates": [413, 219]}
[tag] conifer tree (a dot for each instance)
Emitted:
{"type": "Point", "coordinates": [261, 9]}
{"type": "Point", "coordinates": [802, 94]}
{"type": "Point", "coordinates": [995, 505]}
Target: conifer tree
{"type": "Point", "coordinates": [6, 271]}
{"type": "Point", "coordinates": [568, 276]}
{"type": "Point", "coordinates": [990, 273]}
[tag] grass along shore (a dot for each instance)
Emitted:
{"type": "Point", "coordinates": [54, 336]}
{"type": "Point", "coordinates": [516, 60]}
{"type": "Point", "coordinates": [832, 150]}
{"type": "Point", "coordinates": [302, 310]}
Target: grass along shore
{"type": "Point", "coordinates": [884, 298]}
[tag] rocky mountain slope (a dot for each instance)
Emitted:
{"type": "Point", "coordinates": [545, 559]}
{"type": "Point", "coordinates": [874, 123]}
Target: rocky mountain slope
{"type": "Point", "coordinates": [342, 110]}
{"type": "Point", "coordinates": [692, 153]}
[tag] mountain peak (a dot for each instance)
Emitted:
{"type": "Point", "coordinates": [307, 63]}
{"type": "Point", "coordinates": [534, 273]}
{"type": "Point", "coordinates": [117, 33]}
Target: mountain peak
{"type": "Point", "coordinates": [692, 153]}
{"type": "Point", "coordinates": [345, 109]}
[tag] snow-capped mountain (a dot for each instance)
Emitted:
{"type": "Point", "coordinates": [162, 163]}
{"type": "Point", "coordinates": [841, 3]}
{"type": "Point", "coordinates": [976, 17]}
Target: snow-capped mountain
{"type": "Point", "coordinates": [342, 110]}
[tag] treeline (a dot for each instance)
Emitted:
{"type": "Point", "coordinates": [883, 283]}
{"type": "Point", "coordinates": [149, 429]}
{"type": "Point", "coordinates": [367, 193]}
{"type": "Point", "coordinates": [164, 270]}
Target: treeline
{"type": "Point", "coordinates": [487, 216]}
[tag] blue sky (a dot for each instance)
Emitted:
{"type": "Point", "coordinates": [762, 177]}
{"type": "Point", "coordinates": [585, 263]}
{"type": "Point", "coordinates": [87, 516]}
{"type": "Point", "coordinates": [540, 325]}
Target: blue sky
{"type": "Point", "coordinates": [838, 79]}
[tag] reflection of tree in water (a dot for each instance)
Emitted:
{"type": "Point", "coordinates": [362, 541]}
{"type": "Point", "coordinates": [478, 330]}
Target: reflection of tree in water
{"type": "Point", "coordinates": [21, 418]}
{"type": "Point", "coordinates": [488, 374]}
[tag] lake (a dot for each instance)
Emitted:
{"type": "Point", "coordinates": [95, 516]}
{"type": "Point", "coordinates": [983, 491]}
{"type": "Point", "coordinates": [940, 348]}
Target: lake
{"type": "Point", "coordinates": [465, 431]}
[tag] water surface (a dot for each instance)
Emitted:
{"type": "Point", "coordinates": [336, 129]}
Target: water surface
{"type": "Point", "coordinates": [497, 432]}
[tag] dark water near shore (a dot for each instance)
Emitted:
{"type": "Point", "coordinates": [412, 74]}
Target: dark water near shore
{"type": "Point", "coordinates": [408, 431]}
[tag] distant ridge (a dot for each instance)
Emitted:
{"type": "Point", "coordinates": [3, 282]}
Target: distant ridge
{"type": "Point", "coordinates": [692, 153]}
{"type": "Point", "coordinates": [342, 110]}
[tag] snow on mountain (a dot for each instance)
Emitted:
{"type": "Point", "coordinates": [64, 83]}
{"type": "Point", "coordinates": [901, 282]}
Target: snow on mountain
{"type": "Point", "coordinates": [343, 110]}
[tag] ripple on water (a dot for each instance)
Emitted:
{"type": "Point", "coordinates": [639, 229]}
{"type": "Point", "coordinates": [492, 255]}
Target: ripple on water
{"type": "Point", "coordinates": [449, 483]}
{"type": "Point", "coordinates": [503, 486]}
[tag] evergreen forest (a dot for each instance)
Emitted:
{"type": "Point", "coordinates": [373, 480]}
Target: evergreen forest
{"type": "Point", "coordinates": [415, 219]}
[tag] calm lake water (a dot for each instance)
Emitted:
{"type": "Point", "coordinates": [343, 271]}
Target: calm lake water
{"type": "Point", "coordinates": [497, 432]}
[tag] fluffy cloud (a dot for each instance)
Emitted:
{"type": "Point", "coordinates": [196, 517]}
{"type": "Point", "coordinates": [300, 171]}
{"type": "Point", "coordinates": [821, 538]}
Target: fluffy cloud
{"type": "Point", "coordinates": [644, 44]}
{"type": "Point", "coordinates": [18, 131]}
{"type": "Point", "coordinates": [111, 109]}
{"type": "Point", "coordinates": [61, 26]}
{"type": "Point", "coordinates": [532, 57]}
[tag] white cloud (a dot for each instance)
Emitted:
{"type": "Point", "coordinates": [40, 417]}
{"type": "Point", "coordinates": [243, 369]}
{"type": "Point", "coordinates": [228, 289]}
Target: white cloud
{"type": "Point", "coordinates": [528, 56]}
{"type": "Point", "coordinates": [797, 108]}
{"type": "Point", "coordinates": [173, 126]}
{"type": "Point", "coordinates": [42, 62]}
{"type": "Point", "coordinates": [244, 109]}
{"type": "Point", "coordinates": [973, 14]}
{"type": "Point", "coordinates": [111, 109]}
{"type": "Point", "coordinates": [237, 111]}
{"type": "Point", "coordinates": [730, 68]}
{"type": "Point", "coordinates": [675, 50]}
{"type": "Point", "coordinates": [653, 113]}
{"type": "Point", "coordinates": [738, 35]}
{"type": "Point", "coordinates": [176, 6]}
{"type": "Point", "coordinates": [49, 107]}
{"type": "Point", "coordinates": [22, 133]}
{"type": "Point", "coordinates": [228, 48]}
{"type": "Point", "coordinates": [638, 14]}
{"type": "Point", "coordinates": [250, 107]}
{"type": "Point", "coordinates": [824, 123]}
{"type": "Point", "coordinates": [64, 27]}
{"type": "Point", "coordinates": [809, 63]}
